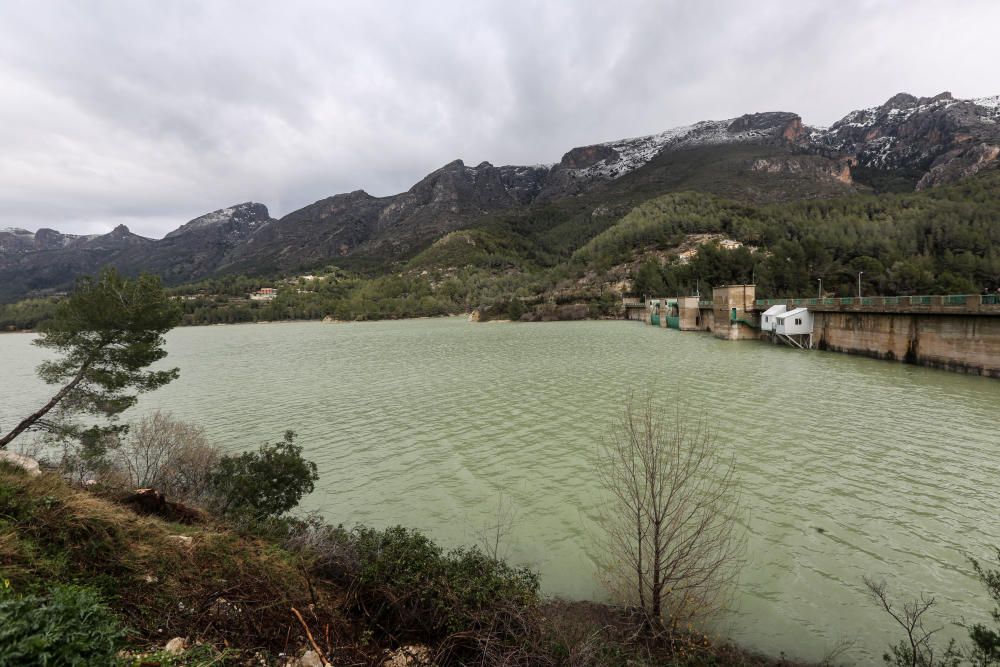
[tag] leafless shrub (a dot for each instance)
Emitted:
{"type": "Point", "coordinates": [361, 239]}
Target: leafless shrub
{"type": "Point", "coordinates": [917, 649]}
{"type": "Point", "coordinates": [166, 454]}
{"type": "Point", "coordinates": [494, 534]}
{"type": "Point", "coordinates": [672, 538]}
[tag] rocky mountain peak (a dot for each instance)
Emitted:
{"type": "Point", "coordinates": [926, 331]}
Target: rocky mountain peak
{"type": "Point", "coordinates": [940, 97]}
{"type": "Point", "coordinates": [46, 238]}
{"type": "Point", "coordinates": [901, 101]}
{"type": "Point", "coordinates": [241, 218]}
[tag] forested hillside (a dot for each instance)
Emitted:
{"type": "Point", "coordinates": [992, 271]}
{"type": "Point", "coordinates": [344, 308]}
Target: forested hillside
{"type": "Point", "coordinates": [940, 241]}
{"type": "Point", "coordinates": [943, 240]}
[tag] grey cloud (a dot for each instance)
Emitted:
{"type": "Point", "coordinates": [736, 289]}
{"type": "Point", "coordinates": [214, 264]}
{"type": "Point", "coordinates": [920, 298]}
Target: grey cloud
{"type": "Point", "coordinates": [152, 113]}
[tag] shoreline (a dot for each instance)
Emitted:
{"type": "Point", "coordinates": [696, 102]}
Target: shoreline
{"type": "Point", "coordinates": [384, 319]}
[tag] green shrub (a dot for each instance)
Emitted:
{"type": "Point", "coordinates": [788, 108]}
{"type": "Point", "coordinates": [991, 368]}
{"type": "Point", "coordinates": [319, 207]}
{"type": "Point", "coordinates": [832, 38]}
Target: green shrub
{"type": "Point", "coordinates": [69, 626]}
{"type": "Point", "coordinates": [265, 483]}
{"type": "Point", "coordinates": [404, 580]}
{"type": "Point", "coordinates": [516, 309]}
{"type": "Point", "coordinates": [985, 648]}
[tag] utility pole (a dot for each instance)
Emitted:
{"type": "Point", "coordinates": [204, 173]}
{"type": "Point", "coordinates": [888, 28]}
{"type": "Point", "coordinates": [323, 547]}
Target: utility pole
{"type": "Point", "coordinates": [859, 283]}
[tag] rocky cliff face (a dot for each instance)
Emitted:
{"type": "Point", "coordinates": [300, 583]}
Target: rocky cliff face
{"type": "Point", "coordinates": [758, 157]}
{"type": "Point", "coordinates": [198, 248]}
{"type": "Point", "coordinates": [48, 261]}
{"type": "Point", "coordinates": [14, 241]}
{"type": "Point", "coordinates": [444, 200]}
{"type": "Point", "coordinates": [940, 138]}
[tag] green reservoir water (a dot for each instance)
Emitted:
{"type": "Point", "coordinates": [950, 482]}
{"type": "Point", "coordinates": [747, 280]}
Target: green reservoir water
{"type": "Point", "coordinates": [849, 466]}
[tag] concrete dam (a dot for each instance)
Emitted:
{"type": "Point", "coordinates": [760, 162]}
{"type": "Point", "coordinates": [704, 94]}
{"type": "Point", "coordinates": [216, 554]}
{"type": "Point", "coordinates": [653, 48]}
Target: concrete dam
{"type": "Point", "coordinates": [954, 332]}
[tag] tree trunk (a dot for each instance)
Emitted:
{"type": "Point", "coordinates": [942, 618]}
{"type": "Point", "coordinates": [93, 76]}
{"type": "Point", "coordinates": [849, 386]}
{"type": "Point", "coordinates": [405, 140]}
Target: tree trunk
{"type": "Point", "coordinates": [640, 577]}
{"type": "Point", "coordinates": [657, 567]}
{"type": "Point", "coordinates": [30, 420]}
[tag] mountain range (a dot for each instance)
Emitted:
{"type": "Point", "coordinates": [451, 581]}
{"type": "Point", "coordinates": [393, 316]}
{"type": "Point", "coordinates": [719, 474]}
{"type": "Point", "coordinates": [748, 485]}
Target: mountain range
{"type": "Point", "coordinates": [906, 144]}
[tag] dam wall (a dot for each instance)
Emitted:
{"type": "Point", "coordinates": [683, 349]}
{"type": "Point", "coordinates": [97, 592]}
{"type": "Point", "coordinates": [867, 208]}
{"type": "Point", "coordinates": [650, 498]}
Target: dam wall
{"type": "Point", "coordinates": [964, 343]}
{"type": "Point", "coordinates": [953, 332]}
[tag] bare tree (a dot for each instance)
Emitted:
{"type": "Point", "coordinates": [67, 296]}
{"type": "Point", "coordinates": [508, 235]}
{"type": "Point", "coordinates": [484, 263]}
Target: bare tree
{"type": "Point", "coordinates": [493, 534]}
{"type": "Point", "coordinates": [172, 456]}
{"type": "Point", "coordinates": [671, 526]}
{"type": "Point", "coordinates": [916, 650]}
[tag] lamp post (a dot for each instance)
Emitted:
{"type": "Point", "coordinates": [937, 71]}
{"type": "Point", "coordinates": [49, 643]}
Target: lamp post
{"type": "Point", "coordinates": [820, 295]}
{"type": "Point", "coordinates": [859, 283]}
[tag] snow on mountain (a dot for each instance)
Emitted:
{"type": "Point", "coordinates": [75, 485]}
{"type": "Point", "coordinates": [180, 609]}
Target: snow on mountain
{"type": "Point", "coordinates": [620, 157]}
{"type": "Point", "coordinates": [991, 106]}
{"type": "Point", "coordinates": [247, 216]}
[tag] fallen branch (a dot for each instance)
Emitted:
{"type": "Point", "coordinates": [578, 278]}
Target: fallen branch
{"type": "Point", "coordinates": [322, 656]}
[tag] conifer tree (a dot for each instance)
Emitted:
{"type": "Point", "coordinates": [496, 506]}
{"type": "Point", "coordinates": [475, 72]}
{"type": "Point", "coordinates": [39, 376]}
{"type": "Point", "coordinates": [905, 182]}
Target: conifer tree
{"type": "Point", "coordinates": [108, 332]}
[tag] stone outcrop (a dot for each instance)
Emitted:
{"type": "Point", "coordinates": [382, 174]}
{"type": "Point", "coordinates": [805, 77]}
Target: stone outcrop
{"type": "Point", "coordinates": [26, 463]}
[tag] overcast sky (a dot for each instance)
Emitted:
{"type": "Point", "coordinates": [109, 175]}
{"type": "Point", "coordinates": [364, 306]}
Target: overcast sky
{"type": "Point", "coordinates": [152, 113]}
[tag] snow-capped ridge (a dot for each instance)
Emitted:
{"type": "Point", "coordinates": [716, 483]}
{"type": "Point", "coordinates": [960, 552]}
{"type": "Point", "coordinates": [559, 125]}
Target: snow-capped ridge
{"type": "Point", "coordinates": [616, 158]}
{"type": "Point", "coordinates": [987, 102]}
{"type": "Point", "coordinates": [248, 213]}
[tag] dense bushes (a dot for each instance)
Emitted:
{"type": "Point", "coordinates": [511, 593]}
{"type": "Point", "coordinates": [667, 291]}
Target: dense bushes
{"type": "Point", "coordinates": [26, 314]}
{"type": "Point", "coordinates": [176, 459]}
{"type": "Point", "coordinates": [68, 626]}
{"type": "Point", "coordinates": [404, 581]}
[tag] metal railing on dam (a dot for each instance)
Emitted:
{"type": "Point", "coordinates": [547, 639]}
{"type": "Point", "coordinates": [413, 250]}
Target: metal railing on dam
{"type": "Point", "coordinates": [958, 304]}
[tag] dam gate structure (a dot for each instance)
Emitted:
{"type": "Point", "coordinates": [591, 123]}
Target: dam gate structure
{"type": "Point", "coordinates": [953, 332]}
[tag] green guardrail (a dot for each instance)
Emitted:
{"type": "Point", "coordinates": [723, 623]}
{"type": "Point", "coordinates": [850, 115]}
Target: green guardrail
{"type": "Point", "coordinates": [947, 300]}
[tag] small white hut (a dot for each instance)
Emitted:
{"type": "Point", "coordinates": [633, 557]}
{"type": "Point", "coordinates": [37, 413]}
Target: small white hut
{"type": "Point", "coordinates": [769, 318]}
{"type": "Point", "coordinates": [795, 322]}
